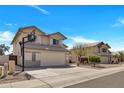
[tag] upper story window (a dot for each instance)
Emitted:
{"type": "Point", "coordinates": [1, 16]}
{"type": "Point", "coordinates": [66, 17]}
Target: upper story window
{"type": "Point", "coordinates": [104, 50]}
{"type": "Point", "coordinates": [55, 42]}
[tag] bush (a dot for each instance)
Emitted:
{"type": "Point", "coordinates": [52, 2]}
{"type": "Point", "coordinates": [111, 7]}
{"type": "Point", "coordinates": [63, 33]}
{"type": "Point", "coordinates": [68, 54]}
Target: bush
{"type": "Point", "coordinates": [94, 59]}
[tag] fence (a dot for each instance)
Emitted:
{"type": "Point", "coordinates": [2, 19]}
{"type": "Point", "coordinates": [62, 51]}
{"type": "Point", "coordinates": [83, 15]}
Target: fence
{"type": "Point", "coordinates": [4, 59]}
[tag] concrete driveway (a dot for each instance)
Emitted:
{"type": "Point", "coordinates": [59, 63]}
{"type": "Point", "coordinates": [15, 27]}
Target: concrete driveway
{"type": "Point", "coordinates": [62, 77]}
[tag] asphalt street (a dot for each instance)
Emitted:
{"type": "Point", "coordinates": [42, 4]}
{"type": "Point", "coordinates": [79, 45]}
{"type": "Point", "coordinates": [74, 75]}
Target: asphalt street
{"type": "Point", "coordinates": [112, 81]}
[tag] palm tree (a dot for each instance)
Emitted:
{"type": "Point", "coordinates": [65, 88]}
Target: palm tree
{"type": "Point", "coordinates": [3, 49]}
{"type": "Point", "coordinates": [121, 56]}
{"type": "Point", "coordinates": [79, 51]}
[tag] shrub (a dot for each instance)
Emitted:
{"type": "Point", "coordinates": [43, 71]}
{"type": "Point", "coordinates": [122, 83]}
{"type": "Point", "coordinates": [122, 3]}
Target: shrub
{"type": "Point", "coordinates": [94, 59]}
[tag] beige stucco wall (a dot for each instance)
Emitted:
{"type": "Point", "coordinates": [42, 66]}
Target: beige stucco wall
{"type": "Point", "coordinates": [4, 59]}
{"type": "Point", "coordinates": [91, 51]}
{"type": "Point", "coordinates": [28, 55]}
{"type": "Point", "coordinates": [95, 50]}
{"type": "Point", "coordinates": [44, 40]}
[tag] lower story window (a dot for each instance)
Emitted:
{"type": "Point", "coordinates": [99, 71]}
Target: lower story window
{"type": "Point", "coordinates": [33, 56]}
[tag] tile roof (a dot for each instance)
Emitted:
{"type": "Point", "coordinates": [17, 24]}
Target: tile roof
{"type": "Point", "coordinates": [91, 44]}
{"type": "Point", "coordinates": [58, 33]}
{"type": "Point", "coordinates": [95, 44]}
{"type": "Point", "coordinates": [22, 28]}
{"type": "Point", "coordinates": [45, 47]}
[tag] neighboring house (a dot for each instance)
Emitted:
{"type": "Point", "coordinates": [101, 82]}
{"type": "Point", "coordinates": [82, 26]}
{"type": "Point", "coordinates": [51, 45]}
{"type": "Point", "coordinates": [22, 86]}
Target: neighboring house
{"type": "Point", "coordinates": [47, 50]}
{"type": "Point", "coordinates": [100, 49]}
{"type": "Point", "coordinates": [115, 57]}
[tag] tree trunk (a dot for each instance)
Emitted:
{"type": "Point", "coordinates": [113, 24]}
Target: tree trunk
{"type": "Point", "coordinates": [78, 61]}
{"type": "Point", "coordinates": [94, 65]}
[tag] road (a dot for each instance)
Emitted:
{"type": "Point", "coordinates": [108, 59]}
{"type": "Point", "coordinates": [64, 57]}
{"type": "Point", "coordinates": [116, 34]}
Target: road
{"type": "Point", "coordinates": [112, 81]}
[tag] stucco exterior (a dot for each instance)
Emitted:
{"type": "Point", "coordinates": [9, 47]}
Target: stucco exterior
{"type": "Point", "coordinates": [96, 50]}
{"type": "Point", "coordinates": [4, 59]}
{"type": "Point", "coordinates": [43, 57]}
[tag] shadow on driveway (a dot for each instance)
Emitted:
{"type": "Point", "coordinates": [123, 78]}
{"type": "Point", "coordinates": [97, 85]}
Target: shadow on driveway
{"type": "Point", "coordinates": [19, 68]}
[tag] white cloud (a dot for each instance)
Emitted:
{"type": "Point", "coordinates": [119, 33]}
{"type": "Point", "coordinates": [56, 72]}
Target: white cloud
{"type": "Point", "coordinates": [43, 11]}
{"type": "Point", "coordinates": [117, 46]}
{"type": "Point", "coordinates": [6, 36]}
{"type": "Point", "coordinates": [10, 24]}
{"type": "Point", "coordinates": [120, 22]}
{"type": "Point", "coordinates": [10, 50]}
{"type": "Point", "coordinates": [79, 39]}
{"type": "Point", "coordinates": [116, 25]}
{"type": "Point", "coordinates": [114, 49]}
{"type": "Point", "coordinates": [70, 45]}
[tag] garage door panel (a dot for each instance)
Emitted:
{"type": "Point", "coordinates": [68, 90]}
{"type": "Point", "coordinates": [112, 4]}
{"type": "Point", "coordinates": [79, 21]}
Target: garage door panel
{"type": "Point", "coordinates": [53, 58]}
{"type": "Point", "coordinates": [104, 59]}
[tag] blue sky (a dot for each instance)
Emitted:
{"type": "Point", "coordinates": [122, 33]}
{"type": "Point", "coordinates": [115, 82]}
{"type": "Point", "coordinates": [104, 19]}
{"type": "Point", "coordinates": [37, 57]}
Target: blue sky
{"type": "Point", "coordinates": [85, 24]}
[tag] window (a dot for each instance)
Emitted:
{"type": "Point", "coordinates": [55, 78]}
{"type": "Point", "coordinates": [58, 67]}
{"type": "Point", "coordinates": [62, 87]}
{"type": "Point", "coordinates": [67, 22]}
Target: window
{"type": "Point", "coordinates": [104, 50]}
{"type": "Point", "coordinates": [33, 56]}
{"type": "Point", "coordinates": [55, 42]}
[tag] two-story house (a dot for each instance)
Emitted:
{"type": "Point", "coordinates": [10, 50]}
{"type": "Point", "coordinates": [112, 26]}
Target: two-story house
{"type": "Point", "coordinates": [46, 50]}
{"type": "Point", "coordinates": [100, 49]}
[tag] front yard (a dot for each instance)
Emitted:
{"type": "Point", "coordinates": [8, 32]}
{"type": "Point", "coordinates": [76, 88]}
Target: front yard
{"type": "Point", "coordinates": [18, 76]}
{"type": "Point", "coordinates": [98, 66]}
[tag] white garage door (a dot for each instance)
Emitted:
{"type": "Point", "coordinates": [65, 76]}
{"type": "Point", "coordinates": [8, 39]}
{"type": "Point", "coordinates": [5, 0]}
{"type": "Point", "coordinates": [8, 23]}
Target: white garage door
{"type": "Point", "coordinates": [104, 59]}
{"type": "Point", "coordinates": [51, 58]}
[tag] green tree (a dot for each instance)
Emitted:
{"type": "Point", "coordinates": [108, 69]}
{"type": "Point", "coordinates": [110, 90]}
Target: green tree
{"type": "Point", "coordinates": [121, 56]}
{"type": "Point", "coordinates": [3, 49]}
{"type": "Point", "coordinates": [79, 50]}
{"type": "Point", "coordinates": [94, 60]}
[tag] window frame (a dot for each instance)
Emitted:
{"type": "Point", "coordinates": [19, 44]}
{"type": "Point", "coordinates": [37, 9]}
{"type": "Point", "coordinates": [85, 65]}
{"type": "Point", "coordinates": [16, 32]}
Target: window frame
{"type": "Point", "coordinates": [33, 56]}
{"type": "Point", "coordinates": [104, 50]}
{"type": "Point", "coordinates": [55, 42]}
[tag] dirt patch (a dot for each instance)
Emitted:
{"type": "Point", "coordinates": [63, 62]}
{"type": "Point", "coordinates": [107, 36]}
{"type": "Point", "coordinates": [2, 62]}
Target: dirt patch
{"type": "Point", "coordinates": [19, 76]}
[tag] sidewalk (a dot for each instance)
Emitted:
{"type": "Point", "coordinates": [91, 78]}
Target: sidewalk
{"type": "Point", "coordinates": [62, 77]}
{"type": "Point", "coordinates": [25, 84]}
